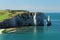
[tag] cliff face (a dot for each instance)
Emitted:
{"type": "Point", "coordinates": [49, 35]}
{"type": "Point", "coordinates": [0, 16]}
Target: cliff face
{"type": "Point", "coordinates": [23, 20]}
{"type": "Point", "coordinates": [40, 18]}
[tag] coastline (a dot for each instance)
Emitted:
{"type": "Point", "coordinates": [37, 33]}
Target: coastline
{"type": "Point", "coordinates": [18, 29]}
{"type": "Point", "coordinates": [7, 30]}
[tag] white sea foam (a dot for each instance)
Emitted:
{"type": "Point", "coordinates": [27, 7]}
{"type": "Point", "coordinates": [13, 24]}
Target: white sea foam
{"type": "Point", "coordinates": [1, 30]}
{"type": "Point", "coordinates": [12, 31]}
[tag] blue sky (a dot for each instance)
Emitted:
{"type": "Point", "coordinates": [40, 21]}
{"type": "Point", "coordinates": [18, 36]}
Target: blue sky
{"type": "Point", "coordinates": [31, 5]}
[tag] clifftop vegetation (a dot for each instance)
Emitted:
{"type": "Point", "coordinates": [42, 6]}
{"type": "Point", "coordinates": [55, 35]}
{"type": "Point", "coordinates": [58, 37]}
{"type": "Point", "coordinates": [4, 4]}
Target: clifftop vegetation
{"type": "Point", "coordinates": [8, 14]}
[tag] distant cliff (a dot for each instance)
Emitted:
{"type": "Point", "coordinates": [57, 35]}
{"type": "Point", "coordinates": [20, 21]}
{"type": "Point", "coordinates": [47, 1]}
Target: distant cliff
{"type": "Point", "coordinates": [19, 18]}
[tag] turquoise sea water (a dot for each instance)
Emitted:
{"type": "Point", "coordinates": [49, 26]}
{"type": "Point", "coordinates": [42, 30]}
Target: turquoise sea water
{"type": "Point", "coordinates": [43, 32]}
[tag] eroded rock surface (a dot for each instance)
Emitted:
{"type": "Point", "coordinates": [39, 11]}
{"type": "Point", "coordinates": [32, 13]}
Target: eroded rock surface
{"type": "Point", "coordinates": [23, 20]}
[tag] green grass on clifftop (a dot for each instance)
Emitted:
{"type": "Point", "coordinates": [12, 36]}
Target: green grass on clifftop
{"type": "Point", "coordinates": [3, 14]}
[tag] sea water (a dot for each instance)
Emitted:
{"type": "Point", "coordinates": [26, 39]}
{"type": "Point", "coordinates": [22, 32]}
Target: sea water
{"type": "Point", "coordinates": [43, 32]}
